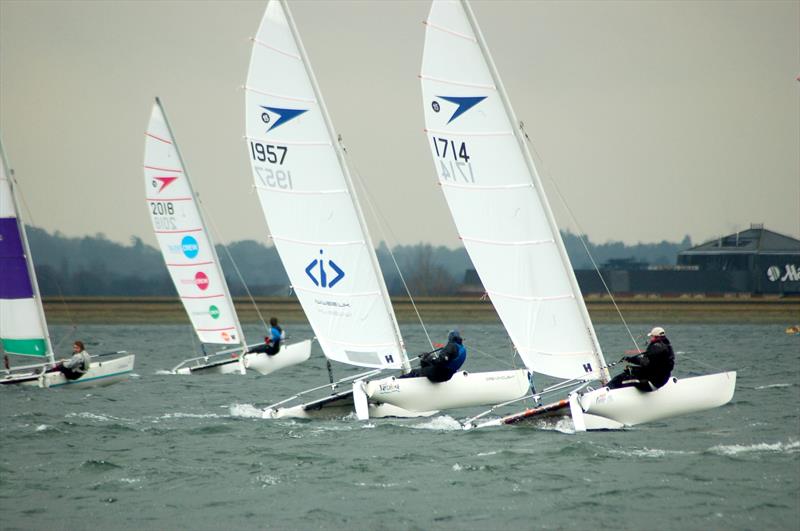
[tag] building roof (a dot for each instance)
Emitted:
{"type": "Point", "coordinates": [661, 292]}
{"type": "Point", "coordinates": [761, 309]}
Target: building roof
{"type": "Point", "coordinates": [755, 240]}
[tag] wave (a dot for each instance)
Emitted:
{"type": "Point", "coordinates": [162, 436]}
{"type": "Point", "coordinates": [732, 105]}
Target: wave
{"type": "Point", "coordinates": [247, 411]}
{"type": "Point", "coordinates": [649, 452]}
{"type": "Point", "coordinates": [93, 416]}
{"type": "Point", "coordinates": [265, 480]}
{"type": "Point", "coordinates": [790, 447]}
{"type": "Point", "coordinates": [179, 415]}
{"type": "Point", "coordinates": [442, 423]}
{"type": "Point", "coordinates": [772, 386]}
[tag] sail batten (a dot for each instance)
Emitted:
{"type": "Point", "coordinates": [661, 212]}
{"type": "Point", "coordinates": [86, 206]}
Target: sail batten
{"type": "Point", "coordinates": [508, 228]}
{"type": "Point", "coordinates": [309, 203]}
{"type": "Point", "coordinates": [184, 241]}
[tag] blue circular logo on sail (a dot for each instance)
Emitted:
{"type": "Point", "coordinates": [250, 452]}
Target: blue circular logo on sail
{"type": "Point", "coordinates": [190, 247]}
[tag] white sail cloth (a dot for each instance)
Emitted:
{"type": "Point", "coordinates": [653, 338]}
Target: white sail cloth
{"type": "Point", "coordinates": [491, 189]}
{"type": "Point", "coordinates": [183, 239]}
{"type": "Point", "coordinates": [310, 205]}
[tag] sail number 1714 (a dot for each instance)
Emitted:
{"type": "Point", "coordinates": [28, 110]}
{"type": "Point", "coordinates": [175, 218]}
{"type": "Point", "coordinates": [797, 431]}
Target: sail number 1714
{"type": "Point", "coordinates": [450, 149]}
{"type": "Point", "coordinates": [453, 160]}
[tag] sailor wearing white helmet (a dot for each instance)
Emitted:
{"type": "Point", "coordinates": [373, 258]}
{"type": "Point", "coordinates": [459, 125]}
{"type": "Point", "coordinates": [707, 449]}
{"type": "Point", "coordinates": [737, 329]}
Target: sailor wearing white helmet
{"type": "Point", "coordinates": [650, 369]}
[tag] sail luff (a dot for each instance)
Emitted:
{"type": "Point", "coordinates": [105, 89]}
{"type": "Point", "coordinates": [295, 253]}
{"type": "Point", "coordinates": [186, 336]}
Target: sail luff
{"type": "Point", "coordinates": [28, 257]}
{"type": "Point", "coordinates": [349, 182]}
{"type": "Point", "coordinates": [223, 317]}
{"type": "Point", "coordinates": [538, 187]}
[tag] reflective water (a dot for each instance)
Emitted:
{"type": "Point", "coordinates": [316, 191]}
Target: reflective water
{"type": "Point", "coordinates": [163, 451]}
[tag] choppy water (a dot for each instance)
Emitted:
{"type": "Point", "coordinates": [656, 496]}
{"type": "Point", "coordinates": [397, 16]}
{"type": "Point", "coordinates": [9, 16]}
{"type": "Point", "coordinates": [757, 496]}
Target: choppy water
{"type": "Point", "coordinates": [163, 451]}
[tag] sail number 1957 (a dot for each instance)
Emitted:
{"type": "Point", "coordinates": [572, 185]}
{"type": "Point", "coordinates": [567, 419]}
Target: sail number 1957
{"type": "Point", "coordinates": [268, 153]}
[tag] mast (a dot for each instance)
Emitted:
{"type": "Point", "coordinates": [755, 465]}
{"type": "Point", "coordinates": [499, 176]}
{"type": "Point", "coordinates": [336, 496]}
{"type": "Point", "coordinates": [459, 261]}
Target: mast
{"type": "Point", "coordinates": [196, 198]}
{"type": "Point", "coordinates": [538, 186]}
{"type": "Point", "coordinates": [349, 182]}
{"type": "Point", "coordinates": [28, 257]}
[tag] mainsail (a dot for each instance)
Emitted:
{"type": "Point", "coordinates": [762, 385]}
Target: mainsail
{"type": "Point", "coordinates": [23, 329]}
{"type": "Point", "coordinates": [183, 238]}
{"type": "Point", "coordinates": [497, 201]}
{"type": "Point", "coordinates": [310, 203]}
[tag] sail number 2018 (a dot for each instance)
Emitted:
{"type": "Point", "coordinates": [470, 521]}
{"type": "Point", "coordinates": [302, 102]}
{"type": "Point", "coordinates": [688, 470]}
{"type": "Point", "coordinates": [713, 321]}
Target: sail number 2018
{"type": "Point", "coordinates": [267, 152]}
{"type": "Point", "coordinates": [163, 215]}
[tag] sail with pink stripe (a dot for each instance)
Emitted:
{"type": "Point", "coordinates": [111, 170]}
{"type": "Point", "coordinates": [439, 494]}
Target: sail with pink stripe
{"type": "Point", "coordinates": [185, 243]}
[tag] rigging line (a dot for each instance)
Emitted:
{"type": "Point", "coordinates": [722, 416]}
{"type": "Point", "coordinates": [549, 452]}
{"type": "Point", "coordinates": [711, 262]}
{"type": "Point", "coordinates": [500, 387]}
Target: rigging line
{"type": "Point", "coordinates": [581, 233]}
{"type": "Point", "coordinates": [683, 355]}
{"type": "Point", "coordinates": [230, 257]}
{"type": "Point", "coordinates": [502, 361]}
{"type": "Point", "coordinates": [61, 297]}
{"type": "Point", "coordinates": [387, 228]}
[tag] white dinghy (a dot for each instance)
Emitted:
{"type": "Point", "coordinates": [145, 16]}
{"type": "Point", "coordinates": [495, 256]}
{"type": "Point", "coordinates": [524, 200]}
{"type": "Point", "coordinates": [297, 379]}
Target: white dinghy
{"type": "Point", "coordinates": [193, 265]}
{"type": "Point", "coordinates": [499, 206]}
{"type": "Point", "coordinates": [23, 328]}
{"type": "Point", "coordinates": [316, 222]}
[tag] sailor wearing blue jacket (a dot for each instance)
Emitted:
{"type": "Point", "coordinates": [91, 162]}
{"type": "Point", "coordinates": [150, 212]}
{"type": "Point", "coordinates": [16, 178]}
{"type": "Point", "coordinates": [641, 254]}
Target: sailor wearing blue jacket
{"type": "Point", "coordinates": [441, 364]}
{"type": "Point", "coordinates": [272, 342]}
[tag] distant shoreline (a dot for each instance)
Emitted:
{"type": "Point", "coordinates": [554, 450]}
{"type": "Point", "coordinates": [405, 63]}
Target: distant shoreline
{"type": "Point", "coordinates": [635, 309]}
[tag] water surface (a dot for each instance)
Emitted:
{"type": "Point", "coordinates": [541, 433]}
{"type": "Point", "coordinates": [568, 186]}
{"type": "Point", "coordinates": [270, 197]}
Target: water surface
{"type": "Point", "coordinates": [164, 451]}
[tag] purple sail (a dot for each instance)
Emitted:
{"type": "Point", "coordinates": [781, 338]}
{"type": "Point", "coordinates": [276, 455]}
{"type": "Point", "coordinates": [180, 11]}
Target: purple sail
{"type": "Point", "coordinates": [15, 283]}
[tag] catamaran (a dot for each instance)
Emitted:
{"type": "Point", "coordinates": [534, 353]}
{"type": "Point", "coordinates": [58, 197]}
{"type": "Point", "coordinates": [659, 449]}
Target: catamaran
{"type": "Point", "coordinates": [307, 194]}
{"type": "Point", "coordinates": [23, 327]}
{"type": "Point", "coordinates": [499, 206]}
{"type": "Point", "coordinates": [193, 265]}
{"type": "Point", "coordinates": [315, 220]}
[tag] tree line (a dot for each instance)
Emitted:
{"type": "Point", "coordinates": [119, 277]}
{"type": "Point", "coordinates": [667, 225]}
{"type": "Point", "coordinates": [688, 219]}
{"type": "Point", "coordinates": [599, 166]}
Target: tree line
{"type": "Point", "coordinates": [95, 265]}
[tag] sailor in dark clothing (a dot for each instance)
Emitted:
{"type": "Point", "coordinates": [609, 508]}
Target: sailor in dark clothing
{"type": "Point", "coordinates": [272, 342]}
{"type": "Point", "coordinates": [651, 369]}
{"type": "Point", "coordinates": [441, 364]}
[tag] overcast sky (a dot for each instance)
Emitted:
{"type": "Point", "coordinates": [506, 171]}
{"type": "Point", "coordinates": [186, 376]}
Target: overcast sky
{"type": "Point", "coordinates": [656, 119]}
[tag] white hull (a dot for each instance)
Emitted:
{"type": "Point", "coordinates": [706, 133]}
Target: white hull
{"type": "Point", "coordinates": [258, 361]}
{"type": "Point", "coordinates": [338, 406]}
{"type": "Point", "coordinates": [462, 390]}
{"type": "Point", "coordinates": [100, 374]}
{"type": "Point", "coordinates": [629, 406]}
{"type": "Point", "coordinates": [289, 355]}
{"type": "Point", "coordinates": [228, 366]}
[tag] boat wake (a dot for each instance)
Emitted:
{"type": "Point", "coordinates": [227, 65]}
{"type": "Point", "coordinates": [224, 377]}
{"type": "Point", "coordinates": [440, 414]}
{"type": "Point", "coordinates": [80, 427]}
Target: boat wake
{"type": "Point", "coordinates": [247, 411]}
{"type": "Point", "coordinates": [649, 452]}
{"type": "Point", "coordinates": [791, 447]}
{"type": "Point", "coordinates": [443, 423]}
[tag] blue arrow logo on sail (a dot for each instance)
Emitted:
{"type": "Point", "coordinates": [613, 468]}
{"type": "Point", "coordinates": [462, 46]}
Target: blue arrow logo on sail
{"type": "Point", "coordinates": [464, 103]}
{"type": "Point", "coordinates": [322, 278]}
{"type": "Point", "coordinates": [284, 115]}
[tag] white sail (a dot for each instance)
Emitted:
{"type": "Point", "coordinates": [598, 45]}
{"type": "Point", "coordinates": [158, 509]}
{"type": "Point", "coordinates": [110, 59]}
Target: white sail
{"type": "Point", "coordinates": [497, 201]}
{"type": "Point", "coordinates": [23, 329]}
{"type": "Point", "coordinates": [310, 204]}
{"type": "Point", "coordinates": [184, 241]}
